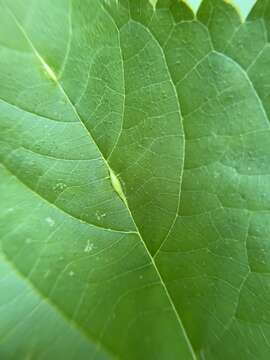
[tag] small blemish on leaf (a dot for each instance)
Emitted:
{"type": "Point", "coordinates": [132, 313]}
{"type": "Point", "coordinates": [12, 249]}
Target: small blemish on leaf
{"type": "Point", "coordinates": [50, 221]}
{"type": "Point", "coordinates": [59, 187]}
{"type": "Point", "coordinates": [48, 71]}
{"type": "Point", "coordinates": [89, 247]}
{"type": "Point", "coordinates": [116, 184]}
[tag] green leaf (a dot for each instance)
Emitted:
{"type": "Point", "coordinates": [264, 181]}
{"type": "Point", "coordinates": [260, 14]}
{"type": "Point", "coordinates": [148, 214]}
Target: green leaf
{"type": "Point", "coordinates": [134, 180]}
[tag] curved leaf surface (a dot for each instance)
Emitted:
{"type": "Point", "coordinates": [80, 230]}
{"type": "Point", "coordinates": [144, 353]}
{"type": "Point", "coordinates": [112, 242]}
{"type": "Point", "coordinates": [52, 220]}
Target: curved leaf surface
{"type": "Point", "coordinates": [134, 149]}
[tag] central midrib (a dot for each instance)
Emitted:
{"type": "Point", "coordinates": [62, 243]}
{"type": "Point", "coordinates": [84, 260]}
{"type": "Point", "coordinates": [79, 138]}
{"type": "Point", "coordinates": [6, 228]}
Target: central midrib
{"type": "Point", "coordinates": [110, 170]}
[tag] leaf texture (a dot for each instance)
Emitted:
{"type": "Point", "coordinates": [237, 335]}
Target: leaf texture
{"type": "Point", "coordinates": [134, 180]}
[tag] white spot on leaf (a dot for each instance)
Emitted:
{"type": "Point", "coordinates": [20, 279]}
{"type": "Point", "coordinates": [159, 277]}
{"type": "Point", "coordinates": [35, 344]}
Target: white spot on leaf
{"type": "Point", "coordinates": [89, 247]}
{"type": "Point", "coordinates": [60, 187]}
{"type": "Point", "coordinates": [99, 215]}
{"type": "Point", "coordinates": [50, 221]}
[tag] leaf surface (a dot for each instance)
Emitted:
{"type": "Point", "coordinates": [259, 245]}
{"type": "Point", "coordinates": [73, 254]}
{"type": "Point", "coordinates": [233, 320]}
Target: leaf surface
{"type": "Point", "coordinates": [134, 180]}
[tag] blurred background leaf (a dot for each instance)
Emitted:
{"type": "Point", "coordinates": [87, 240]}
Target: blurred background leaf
{"type": "Point", "coordinates": [243, 5]}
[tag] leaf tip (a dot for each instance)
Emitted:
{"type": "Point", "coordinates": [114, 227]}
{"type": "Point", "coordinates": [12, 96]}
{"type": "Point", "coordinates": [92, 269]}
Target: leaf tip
{"type": "Point", "coordinates": [236, 8]}
{"type": "Point", "coordinates": [229, 7]}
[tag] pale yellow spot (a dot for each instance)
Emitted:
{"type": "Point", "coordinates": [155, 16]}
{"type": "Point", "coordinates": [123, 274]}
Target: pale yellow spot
{"type": "Point", "coordinates": [117, 185]}
{"type": "Point", "coordinates": [48, 69]}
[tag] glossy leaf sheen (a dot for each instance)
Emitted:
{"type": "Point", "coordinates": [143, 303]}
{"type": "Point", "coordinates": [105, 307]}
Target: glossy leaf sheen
{"type": "Point", "coordinates": [134, 180]}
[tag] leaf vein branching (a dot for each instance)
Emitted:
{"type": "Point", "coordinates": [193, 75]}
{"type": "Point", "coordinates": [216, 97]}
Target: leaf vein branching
{"type": "Point", "coordinates": [178, 205]}
{"type": "Point", "coordinates": [61, 209]}
{"type": "Point", "coordinates": [19, 108]}
{"type": "Point", "coordinates": [230, 59]}
{"type": "Point", "coordinates": [68, 47]}
{"type": "Point", "coordinates": [44, 299]}
{"type": "Point", "coordinates": [124, 95]}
